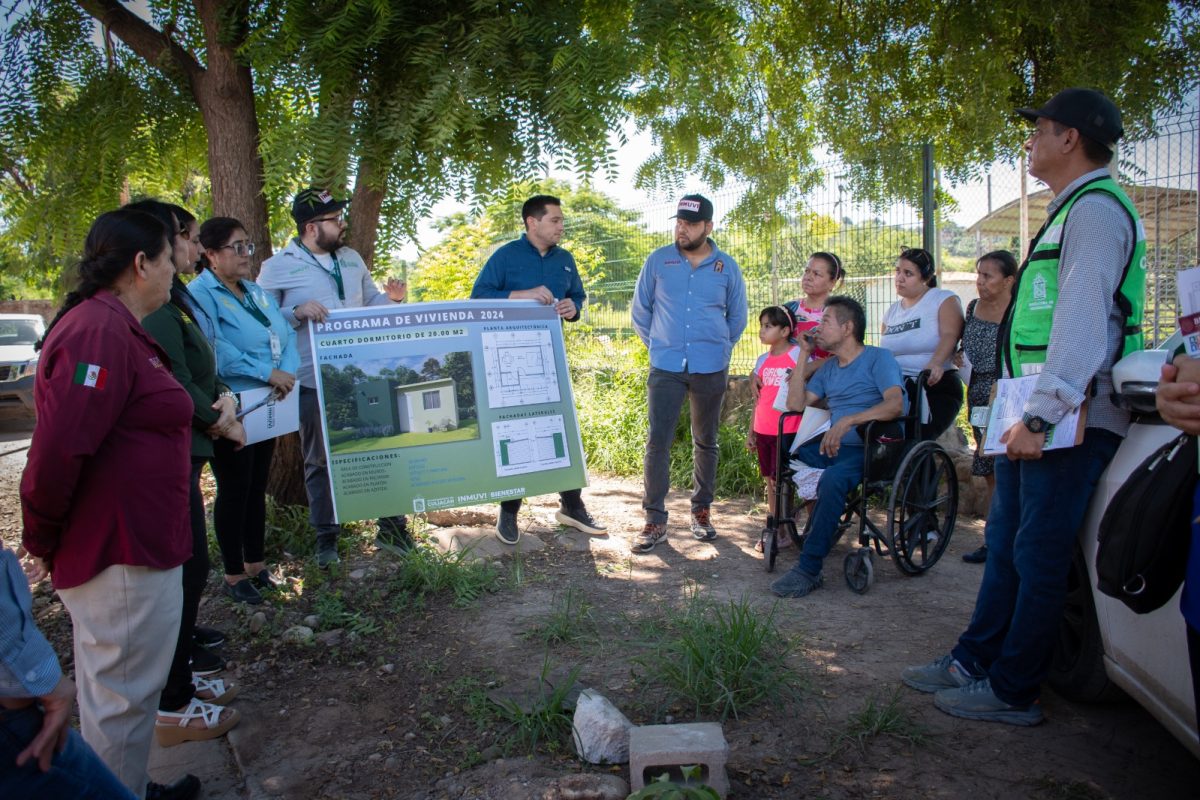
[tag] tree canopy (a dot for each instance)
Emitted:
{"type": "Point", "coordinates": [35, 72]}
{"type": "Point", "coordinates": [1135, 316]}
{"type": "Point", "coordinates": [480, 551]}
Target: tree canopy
{"type": "Point", "coordinates": [229, 106]}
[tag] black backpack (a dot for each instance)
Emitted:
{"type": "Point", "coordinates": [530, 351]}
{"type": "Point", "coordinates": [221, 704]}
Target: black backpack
{"type": "Point", "coordinates": [1147, 527]}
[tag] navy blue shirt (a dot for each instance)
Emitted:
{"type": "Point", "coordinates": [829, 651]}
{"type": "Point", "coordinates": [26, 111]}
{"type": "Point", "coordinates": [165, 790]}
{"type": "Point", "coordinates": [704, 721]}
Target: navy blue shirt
{"type": "Point", "coordinates": [518, 265]}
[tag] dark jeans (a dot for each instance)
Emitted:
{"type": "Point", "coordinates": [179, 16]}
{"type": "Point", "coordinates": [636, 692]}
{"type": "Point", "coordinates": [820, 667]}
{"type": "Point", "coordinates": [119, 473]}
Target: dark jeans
{"type": "Point", "coordinates": [665, 392]}
{"type": "Point", "coordinates": [945, 400]}
{"type": "Point", "coordinates": [240, 510]}
{"type": "Point", "coordinates": [1193, 643]}
{"type": "Point", "coordinates": [179, 689]}
{"type": "Point", "coordinates": [571, 499]}
{"type": "Point", "coordinates": [76, 773]}
{"type": "Point", "coordinates": [842, 473]}
{"type": "Point", "coordinates": [1037, 509]}
{"type": "Point", "coordinates": [316, 471]}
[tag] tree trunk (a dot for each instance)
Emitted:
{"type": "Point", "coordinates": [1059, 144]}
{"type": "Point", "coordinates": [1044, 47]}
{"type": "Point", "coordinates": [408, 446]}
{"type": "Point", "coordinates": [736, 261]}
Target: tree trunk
{"type": "Point", "coordinates": [365, 207]}
{"type": "Point", "coordinates": [286, 481]}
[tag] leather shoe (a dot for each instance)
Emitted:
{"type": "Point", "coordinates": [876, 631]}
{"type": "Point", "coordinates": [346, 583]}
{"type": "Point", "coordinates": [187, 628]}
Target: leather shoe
{"type": "Point", "coordinates": [186, 788]}
{"type": "Point", "coordinates": [265, 581]}
{"type": "Point", "coordinates": [977, 556]}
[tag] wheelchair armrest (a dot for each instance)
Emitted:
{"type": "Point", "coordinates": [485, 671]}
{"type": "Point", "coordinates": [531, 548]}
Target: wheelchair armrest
{"type": "Point", "coordinates": [783, 417]}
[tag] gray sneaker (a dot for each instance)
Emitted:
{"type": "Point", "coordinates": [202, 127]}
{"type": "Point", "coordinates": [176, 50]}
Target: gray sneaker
{"type": "Point", "coordinates": [797, 584]}
{"type": "Point", "coordinates": [978, 701]}
{"type": "Point", "coordinates": [581, 520]}
{"type": "Point", "coordinates": [327, 554]}
{"type": "Point", "coordinates": [652, 533]}
{"type": "Point", "coordinates": [945, 673]}
{"type": "Point", "coordinates": [702, 528]}
{"type": "Point", "coordinates": [506, 527]}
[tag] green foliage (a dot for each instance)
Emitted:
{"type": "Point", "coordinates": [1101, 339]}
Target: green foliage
{"type": "Point", "coordinates": [548, 721]}
{"type": "Point", "coordinates": [688, 788]}
{"type": "Point", "coordinates": [288, 531]}
{"type": "Point", "coordinates": [883, 717]}
{"type": "Point", "coordinates": [722, 658]}
{"type": "Point", "coordinates": [569, 621]}
{"type": "Point", "coordinates": [427, 570]}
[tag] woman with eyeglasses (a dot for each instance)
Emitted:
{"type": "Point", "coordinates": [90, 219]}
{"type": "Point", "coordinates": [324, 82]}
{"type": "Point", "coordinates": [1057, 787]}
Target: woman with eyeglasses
{"type": "Point", "coordinates": [922, 330]}
{"type": "Point", "coordinates": [255, 347]}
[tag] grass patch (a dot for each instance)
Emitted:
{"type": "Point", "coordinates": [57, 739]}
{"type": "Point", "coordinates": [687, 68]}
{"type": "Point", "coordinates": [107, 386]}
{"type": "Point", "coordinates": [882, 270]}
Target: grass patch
{"type": "Point", "coordinates": [465, 432]}
{"type": "Point", "coordinates": [569, 621]}
{"type": "Point", "coordinates": [882, 718]}
{"type": "Point", "coordinates": [427, 570]}
{"type": "Point", "coordinates": [548, 721]}
{"type": "Point", "coordinates": [722, 658]}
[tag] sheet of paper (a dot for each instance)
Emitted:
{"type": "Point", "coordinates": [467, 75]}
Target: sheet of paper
{"type": "Point", "coordinates": [814, 423]}
{"type": "Point", "coordinates": [274, 418]}
{"type": "Point", "coordinates": [1007, 409]}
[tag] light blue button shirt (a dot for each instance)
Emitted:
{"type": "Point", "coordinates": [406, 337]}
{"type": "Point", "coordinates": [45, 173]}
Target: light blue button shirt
{"type": "Point", "coordinates": [689, 317]}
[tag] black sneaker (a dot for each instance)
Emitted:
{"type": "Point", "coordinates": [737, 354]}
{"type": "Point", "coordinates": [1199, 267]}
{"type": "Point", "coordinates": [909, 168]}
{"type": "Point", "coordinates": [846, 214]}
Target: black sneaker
{"type": "Point", "coordinates": [205, 661]}
{"type": "Point", "coordinates": [264, 581]}
{"type": "Point", "coordinates": [327, 553]}
{"type": "Point", "coordinates": [186, 788]}
{"type": "Point", "coordinates": [207, 637]}
{"type": "Point", "coordinates": [977, 556]}
{"type": "Point", "coordinates": [506, 527]}
{"type": "Point", "coordinates": [394, 536]}
{"type": "Point", "coordinates": [580, 519]}
{"type": "Point", "coordinates": [243, 592]}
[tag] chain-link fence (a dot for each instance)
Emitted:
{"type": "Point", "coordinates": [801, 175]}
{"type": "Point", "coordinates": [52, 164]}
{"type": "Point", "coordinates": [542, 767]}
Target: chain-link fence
{"type": "Point", "coordinates": [1001, 210]}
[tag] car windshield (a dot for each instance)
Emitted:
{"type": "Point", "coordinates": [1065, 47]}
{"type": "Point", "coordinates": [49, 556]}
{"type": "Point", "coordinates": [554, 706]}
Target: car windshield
{"type": "Point", "coordinates": [19, 331]}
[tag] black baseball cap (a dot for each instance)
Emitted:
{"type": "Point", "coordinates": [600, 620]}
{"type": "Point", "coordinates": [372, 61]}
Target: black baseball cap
{"type": "Point", "coordinates": [310, 203]}
{"type": "Point", "coordinates": [1086, 110]}
{"type": "Point", "coordinates": [694, 208]}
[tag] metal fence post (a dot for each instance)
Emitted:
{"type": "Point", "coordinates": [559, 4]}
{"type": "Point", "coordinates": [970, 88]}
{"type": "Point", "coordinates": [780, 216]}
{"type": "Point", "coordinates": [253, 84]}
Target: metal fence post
{"type": "Point", "coordinates": [928, 222]}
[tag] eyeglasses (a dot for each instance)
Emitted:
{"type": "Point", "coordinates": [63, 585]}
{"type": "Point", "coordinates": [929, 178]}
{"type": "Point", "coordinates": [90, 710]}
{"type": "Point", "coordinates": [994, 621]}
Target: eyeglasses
{"type": "Point", "coordinates": [319, 220]}
{"type": "Point", "coordinates": [242, 248]}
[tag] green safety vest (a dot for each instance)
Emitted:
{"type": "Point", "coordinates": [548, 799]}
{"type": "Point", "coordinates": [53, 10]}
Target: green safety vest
{"type": "Point", "coordinates": [1026, 326]}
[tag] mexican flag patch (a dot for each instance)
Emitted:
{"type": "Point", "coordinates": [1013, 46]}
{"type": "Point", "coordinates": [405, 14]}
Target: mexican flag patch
{"type": "Point", "coordinates": [90, 375]}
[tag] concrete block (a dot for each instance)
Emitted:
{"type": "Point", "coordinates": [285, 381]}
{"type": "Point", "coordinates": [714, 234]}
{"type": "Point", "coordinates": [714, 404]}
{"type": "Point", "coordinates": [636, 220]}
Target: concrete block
{"type": "Point", "coordinates": [654, 749]}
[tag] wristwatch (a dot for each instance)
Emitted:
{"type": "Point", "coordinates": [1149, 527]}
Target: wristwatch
{"type": "Point", "coordinates": [1034, 424]}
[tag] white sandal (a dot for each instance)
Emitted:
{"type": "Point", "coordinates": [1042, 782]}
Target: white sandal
{"type": "Point", "coordinates": [219, 691]}
{"type": "Point", "coordinates": [178, 729]}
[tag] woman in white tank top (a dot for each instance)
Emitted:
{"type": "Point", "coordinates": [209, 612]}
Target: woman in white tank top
{"type": "Point", "coordinates": [922, 330]}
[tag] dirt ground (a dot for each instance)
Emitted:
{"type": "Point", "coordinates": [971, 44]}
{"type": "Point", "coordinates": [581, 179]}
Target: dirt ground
{"type": "Point", "coordinates": [393, 710]}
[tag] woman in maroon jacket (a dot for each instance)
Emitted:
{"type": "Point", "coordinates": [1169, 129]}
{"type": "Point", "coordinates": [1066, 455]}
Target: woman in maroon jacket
{"type": "Point", "coordinates": [105, 490]}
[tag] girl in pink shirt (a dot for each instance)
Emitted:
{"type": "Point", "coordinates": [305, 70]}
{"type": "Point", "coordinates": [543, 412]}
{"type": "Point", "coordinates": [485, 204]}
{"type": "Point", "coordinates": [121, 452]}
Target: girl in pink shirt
{"type": "Point", "coordinates": [776, 327]}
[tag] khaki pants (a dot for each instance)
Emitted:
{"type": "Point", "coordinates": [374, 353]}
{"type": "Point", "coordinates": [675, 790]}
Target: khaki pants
{"type": "Point", "coordinates": [126, 619]}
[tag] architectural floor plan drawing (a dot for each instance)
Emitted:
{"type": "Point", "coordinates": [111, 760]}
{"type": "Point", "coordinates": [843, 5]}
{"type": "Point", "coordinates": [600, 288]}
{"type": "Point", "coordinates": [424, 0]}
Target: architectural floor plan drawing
{"type": "Point", "coordinates": [530, 445]}
{"type": "Point", "coordinates": [520, 368]}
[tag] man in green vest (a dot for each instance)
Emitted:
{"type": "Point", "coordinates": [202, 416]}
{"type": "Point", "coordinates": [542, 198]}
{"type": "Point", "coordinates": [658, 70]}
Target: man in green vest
{"type": "Point", "coordinates": [1076, 309]}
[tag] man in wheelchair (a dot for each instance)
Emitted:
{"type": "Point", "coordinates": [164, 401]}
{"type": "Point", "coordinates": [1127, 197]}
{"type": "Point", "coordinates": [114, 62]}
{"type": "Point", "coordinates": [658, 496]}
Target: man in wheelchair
{"type": "Point", "coordinates": [859, 384]}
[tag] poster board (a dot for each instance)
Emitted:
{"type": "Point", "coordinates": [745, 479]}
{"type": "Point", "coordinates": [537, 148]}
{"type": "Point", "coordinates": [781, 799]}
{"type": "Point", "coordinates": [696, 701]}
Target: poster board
{"type": "Point", "coordinates": [430, 406]}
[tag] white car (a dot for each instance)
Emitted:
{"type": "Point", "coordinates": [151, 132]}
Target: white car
{"type": "Point", "coordinates": [1104, 648]}
{"type": "Point", "coordinates": [18, 361]}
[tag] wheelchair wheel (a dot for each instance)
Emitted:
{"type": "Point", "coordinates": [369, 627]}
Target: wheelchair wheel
{"type": "Point", "coordinates": [859, 569]}
{"type": "Point", "coordinates": [923, 508]}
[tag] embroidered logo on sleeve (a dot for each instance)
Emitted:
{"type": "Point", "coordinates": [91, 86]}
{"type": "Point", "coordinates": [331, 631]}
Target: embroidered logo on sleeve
{"type": "Point", "coordinates": [719, 266]}
{"type": "Point", "coordinates": [92, 376]}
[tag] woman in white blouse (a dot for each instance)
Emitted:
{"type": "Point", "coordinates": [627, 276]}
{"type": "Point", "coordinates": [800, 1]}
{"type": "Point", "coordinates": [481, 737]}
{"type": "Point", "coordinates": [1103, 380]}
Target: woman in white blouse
{"type": "Point", "coordinates": [922, 330]}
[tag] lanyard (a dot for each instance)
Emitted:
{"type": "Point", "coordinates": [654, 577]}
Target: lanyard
{"type": "Point", "coordinates": [252, 308]}
{"type": "Point", "coordinates": [336, 273]}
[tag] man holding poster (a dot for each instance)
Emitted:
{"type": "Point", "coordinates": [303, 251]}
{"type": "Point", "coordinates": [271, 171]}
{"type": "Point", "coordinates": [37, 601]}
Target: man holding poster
{"type": "Point", "coordinates": [534, 267]}
{"type": "Point", "coordinates": [314, 273]}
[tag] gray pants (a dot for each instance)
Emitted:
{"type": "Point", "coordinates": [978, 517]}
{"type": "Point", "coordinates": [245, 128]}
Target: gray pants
{"type": "Point", "coordinates": [316, 472]}
{"type": "Point", "coordinates": [665, 392]}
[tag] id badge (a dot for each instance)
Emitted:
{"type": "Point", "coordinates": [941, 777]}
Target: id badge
{"type": "Point", "coordinates": [276, 348]}
{"type": "Point", "coordinates": [979, 416]}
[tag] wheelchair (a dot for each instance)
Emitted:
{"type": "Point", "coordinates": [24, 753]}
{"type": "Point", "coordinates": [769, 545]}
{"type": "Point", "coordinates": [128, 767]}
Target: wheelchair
{"type": "Point", "coordinates": [913, 479]}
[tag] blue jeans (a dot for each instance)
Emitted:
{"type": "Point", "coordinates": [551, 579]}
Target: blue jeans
{"type": "Point", "coordinates": [1037, 509]}
{"type": "Point", "coordinates": [76, 772]}
{"type": "Point", "coordinates": [842, 474]}
{"type": "Point", "coordinates": [665, 393]}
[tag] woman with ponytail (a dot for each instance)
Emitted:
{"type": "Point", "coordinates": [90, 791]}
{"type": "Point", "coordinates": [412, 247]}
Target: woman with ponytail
{"type": "Point", "coordinates": [255, 348]}
{"type": "Point", "coordinates": [922, 330]}
{"type": "Point", "coordinates": [191, 705]}
{"type": "Point", "coordinates": [104, 494]}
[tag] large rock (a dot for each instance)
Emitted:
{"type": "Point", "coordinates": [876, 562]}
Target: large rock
{"type": "Point", "coordinates": [600, 730]}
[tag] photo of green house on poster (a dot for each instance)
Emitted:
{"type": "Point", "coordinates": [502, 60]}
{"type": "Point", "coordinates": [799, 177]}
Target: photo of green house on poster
{"type": "Point", "coordinates": [436, 405]}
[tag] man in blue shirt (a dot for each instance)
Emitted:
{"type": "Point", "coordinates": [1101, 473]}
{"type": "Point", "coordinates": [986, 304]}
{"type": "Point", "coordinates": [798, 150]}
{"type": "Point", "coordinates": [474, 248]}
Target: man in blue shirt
{"type": "Point", "coordinates": [859, 383]}
{"type": "Point", "coordinates": [534, 267]}
{"type": "Point", "coordinates": [689, 308]}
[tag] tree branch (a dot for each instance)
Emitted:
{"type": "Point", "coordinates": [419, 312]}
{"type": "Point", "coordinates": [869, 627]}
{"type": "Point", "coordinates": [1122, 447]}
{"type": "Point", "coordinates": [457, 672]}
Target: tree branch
{"type": "Point", "coordinates": [142, 38]}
